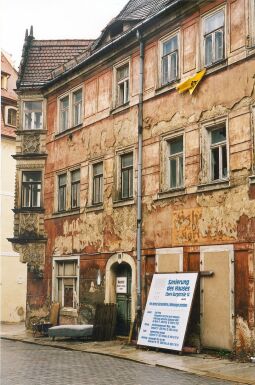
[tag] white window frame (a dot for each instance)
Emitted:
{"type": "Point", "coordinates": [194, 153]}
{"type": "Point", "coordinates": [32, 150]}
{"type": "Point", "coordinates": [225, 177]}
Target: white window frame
{"type": "Point", "coordinates": [163, 40]}
{"type": "Point", "coordinates": [116, 67]}
{"type": "Point", "coordinates": [37, 100]}
{"type": "Point", "coordinates": [7, 108]}
{"type": "Point", "coordinates": [206, 145]}
{"type": "Point", "coordinates": [204, 17]}
{"type": "Point", "coordinates": [70, 122]}
{"type": "Point", "coordinates": [176, 156]}
{"type": "Point", "coordinates": [57, 260]}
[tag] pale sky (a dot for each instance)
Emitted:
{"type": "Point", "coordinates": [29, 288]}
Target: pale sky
{"type": "Point", "coordinates": [53, 19]}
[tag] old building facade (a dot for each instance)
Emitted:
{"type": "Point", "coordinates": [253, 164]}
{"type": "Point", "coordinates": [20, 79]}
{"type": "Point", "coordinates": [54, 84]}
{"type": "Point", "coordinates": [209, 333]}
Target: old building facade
{"type": "Point", "coordinates": [103, 128]}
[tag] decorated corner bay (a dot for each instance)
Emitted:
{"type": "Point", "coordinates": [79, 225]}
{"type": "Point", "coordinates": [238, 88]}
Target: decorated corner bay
{"type": "Point", "coordinates": [167, 310]}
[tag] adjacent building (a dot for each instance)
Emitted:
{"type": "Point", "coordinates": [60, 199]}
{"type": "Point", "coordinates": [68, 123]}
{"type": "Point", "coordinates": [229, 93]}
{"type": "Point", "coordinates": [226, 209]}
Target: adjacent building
{"type": "Point", "coordinates": [127, 165]}
{"type": "Point", "coordinates": [13, 272]}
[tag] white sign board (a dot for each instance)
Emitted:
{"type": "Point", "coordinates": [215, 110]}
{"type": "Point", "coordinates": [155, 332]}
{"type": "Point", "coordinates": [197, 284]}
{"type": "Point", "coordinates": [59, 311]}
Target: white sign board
{"type": "Point", "coordinates": [167, 310]}
{"type": "Point", "coordinates": [121, 285]}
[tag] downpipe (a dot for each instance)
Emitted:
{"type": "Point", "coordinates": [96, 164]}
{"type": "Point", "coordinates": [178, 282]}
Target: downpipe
{"type": "Point", "coordinates": [139, 184]}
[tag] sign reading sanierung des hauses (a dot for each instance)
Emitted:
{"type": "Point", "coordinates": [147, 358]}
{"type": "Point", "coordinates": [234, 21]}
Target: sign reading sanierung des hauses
{"type": "Point", "coordinates": [167, 310]}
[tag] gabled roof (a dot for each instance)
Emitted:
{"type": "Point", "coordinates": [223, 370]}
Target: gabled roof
{"type": "Point", "coordinates": [41, 57]}
{"type": "Point", "coordinates": [44, 61]}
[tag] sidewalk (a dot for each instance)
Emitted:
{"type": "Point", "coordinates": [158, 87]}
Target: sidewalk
{"type": "Point", "coordinates": [200, 364]}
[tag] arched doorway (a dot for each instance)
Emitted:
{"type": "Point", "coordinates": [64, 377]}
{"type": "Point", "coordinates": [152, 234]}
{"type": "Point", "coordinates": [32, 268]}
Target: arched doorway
{"type": "Point", "coordinates": [120, 288]}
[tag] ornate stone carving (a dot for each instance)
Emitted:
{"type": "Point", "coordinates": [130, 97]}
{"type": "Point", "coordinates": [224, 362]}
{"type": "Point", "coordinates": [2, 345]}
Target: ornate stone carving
{"type": "Point", "coordinates": [29, 225]}
{"type": "Point", "coordinates": [31, 253]}
{"type": "Point", "coordinates": [31, 143]}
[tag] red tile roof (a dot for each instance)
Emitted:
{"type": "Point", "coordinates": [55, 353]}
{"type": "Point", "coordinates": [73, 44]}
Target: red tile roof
{"type": "Point", "coordinates": [43, 56]}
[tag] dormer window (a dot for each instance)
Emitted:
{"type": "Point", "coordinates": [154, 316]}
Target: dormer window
{"type": "Point", "coordinates": [32, 115]}
{"type": "Point", "coordinates": [116, 29]}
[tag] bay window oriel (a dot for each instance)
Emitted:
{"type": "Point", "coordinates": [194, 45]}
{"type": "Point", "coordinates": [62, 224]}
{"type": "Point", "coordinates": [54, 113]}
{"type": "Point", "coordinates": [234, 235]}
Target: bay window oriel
{"type": "Point", "coordinates": [32, 115]}
{"type": "Point", "coordinates": [31, 189]}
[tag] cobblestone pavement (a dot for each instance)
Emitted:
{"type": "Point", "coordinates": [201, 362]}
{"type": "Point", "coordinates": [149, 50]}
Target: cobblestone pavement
{"type": "Point", "coordinates": [27, 364]}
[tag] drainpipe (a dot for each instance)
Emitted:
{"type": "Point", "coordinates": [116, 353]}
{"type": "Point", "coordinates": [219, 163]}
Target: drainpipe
{"type": "Point", "coordinates": [139, 183]}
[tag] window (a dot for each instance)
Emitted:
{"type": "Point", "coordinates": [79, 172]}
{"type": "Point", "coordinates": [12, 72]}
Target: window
{"type": "Point", "coordinates": [62, 192]}
{"type": "Point", "coordinates": [31, 189]}
{"type": "Point", "coordinates": [70, 110]}
{"type": "Point", "coordinates": [4, 81]}
{"type": "Point", "coordinates": [252, 23]}
{"type": "Point", "coordinates": [64, 113]}
{"type": "Point", "coordinates": [218, 153]}
{"type": "Point", "coordinates": [97, 196]}
{"type": "Point", "coordinates": [175, 162]}
{"type": "Point", "coordinates": [213, 30]}
{"type": "Point", "coordinates": [126, 175]}
{"type": "Point", "coordinates": [11, 116]}
{"type": "Point", "coordinates": [77, 107]}
{"type": "Point", "coordinates": [66, 276]}
{"type": "Point", "coordinates": [75, 189]}
{"type": "Point", "coordinates": [169, 60]}
{"type": "Point", "coordinates": [32, 112]}
{"type": "Point", "coordinates": [122, 77]}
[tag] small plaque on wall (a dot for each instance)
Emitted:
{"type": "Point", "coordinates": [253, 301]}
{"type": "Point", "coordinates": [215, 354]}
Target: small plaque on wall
{"type": "Point", "coordinates": [121, 285]}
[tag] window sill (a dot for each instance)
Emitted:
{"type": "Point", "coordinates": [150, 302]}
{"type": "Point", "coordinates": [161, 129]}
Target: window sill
{"type": "Point", "coordinates": [66, 213]}
{"type": "Point", "coordinates": [32, 131]}
{"type": "Point", "coordinates": [68, 311]}
{"type": "Point", "coordinates": [214, 67]}
{"type": "Point", "coordinates": [171, 193]}
{"type": "Point", "coordinates": [68, 131]}
{"type": "Point", "coordinates": [123, 202]}
{"type": "Point", "coordinates": [121, 108]}
{"type": "Point", "coordinates": [28, 210]}
{"type": "Point", "coordinates": [216, 185]}
{"type": "Point", "coordinates": [29, 155]}
{"type": "Point", "coordinates": [96, 207]}
{"type": "Point", "coordinates": [252, 179]}
{"type": "Point", "coordinates": [167, 87]}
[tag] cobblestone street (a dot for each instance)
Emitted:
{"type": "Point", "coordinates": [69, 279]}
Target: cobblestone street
{"type": "Point", "coordinates": [27, 364]}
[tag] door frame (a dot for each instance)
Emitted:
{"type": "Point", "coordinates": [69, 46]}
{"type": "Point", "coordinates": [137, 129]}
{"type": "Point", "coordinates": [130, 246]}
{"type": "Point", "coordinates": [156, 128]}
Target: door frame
{"type": "Point", "coordinates": [110, 279]}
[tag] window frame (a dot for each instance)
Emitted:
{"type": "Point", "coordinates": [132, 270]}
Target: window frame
{"type": "Point", "coordinates": [30, 184]}
{"type": "Point", "coordinates": [71, 105]}
{"type": "Point", "coordinates": [7, 109]}
{"type": "Point", "coordinates": [65, 193]}
{"type": "Point", "coordinates": [56, 262]}
{"type": "Point", "coordinates": [218, 145]}
{"type": "Point", "coordinates": [78, 191]}
{"type": "Point", "coordinates": [36, 100]}
{"type": "Point", "coordinates": [205, 144]}
{"type": "Point", "coordinates": [101, 183]}
{"type": "Point", "coordinates": [162, 41]}
{"type": "Point", "coordinates": [224, 28]}
{"type": "Point", "coordinates": [116, 68]}
{"type": "Point", "coordinates": [4, 81]}
{"type": "Point", "coordinates": [251, 32]}
{"type": "Point", "coordinates": [176, 157]}
{"type": "Point", "coordinates": [121, 172]}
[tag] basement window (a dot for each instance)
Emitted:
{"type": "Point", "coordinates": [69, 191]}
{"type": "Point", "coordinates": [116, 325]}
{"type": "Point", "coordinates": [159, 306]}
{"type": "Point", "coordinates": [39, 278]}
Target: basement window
{"type": "Point", "coordinates": [32, 115]}
{"type": "Point", "coordinates": [214, 37]}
